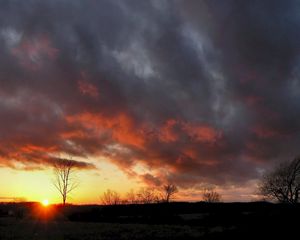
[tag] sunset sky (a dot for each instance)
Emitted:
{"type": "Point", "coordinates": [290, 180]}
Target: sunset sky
{"type": "Point", "coordinates": [140, 93]}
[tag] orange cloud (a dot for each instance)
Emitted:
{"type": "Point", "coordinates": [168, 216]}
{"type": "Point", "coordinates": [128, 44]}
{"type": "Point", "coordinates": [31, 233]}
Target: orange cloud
{"type": "Point", "coordinates": [121, 127]}
{"type": "Point", "coordinates": [172, 129]}
{"type": "Point", "coordinates": [167, 133]}
{"type": "Point", "coordinates": [30, 148]}
{"type": "Point", "coordinates": [202, 133]}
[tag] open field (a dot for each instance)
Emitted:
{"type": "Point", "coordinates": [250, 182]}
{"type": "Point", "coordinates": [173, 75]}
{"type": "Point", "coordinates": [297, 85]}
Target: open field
{"type": "Point", "coordinates": [12, 229]}
{"type": "Point", "coordinates": [173, 221]}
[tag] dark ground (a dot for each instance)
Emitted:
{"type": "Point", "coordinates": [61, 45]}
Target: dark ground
{"type": "Point", "coordinates": [155, 221]}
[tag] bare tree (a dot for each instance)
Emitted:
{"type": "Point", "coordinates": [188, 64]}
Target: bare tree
{"type": "Point", "coordinates": [111, 197]}
{"type": "Point", "coordinates": [210, 195]}
{"type": "Point", "coordinates": [283, 183]}
{"type": "Point", "coordinates": [131, 197]}
{"type": "Point", "coordinates": [147, 195]}
{"type": "Point", "coordinates": [169, 190]}
{"type": "Point", "coordinates": [64, 181]}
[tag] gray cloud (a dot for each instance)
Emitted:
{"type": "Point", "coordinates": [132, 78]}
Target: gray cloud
{"type": "Point", "coordinates": [195, 91]}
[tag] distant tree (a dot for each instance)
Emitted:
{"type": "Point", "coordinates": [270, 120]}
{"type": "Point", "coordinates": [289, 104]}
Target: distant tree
{"type": "Point", "coordinates": [210, 195]}
{"type": "Point", "coordinates": [111, 197]}
{"type": "Point", "coordinates": [64, 181]}
{"type": "Point", "coordinates": [169, 190]}
{"type": "Point", "coordinates": [147, 195]}
{"type": "Point", "coordinates": [283, 182]}
{"type": "Point", "coordinates": [131, 197]}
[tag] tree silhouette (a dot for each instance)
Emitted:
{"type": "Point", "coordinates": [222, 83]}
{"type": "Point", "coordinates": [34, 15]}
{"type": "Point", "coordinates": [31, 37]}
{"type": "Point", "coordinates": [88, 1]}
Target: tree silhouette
{"type": "Point", "coordinates": [111, 197]}
{"type": "Point", "coordinates": [131, 197]}
{"type": "Point", "coordinates": [169, 190]}
{"type": "Point", "coordinates": [210, 195]}
{"type": "Point", "coordinates": [283, 183]}
{"type": "Point", "coordinates": [147, 195]}
{"type": "Point", "coordinates": [64, 181]}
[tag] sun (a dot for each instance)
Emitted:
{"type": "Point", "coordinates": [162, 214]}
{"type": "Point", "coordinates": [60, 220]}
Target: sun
{"type": "Point", "coordinates": [45, 202]}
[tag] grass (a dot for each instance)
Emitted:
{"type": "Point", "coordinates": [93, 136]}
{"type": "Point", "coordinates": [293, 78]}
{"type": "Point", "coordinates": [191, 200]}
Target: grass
{"type": "Point", "coordinates": [29, 229]}
{"type": "Point", "coordinates": [174, 221]}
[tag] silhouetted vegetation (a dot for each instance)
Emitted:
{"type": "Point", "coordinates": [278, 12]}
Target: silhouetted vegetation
{"type": "Point", "coordinates": [143, 196]}
{"type": "Point", "coordinates": [169, 191]}
{"type": "Point", "coordinates": [211, 196]}
{"type": "Point", "coordinates": [283, 183]}
{"type": "Point", "coordinates": [110, 197]}
{"type": "Point", "coordinates": [148, 195]}
{"type": "Point", "coordinates": [64, 181]}
{"type": "Point", "coordinates": [175, 220]}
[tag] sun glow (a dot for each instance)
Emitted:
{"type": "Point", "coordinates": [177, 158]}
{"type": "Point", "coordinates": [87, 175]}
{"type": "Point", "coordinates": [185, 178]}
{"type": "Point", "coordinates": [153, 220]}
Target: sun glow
{"type": "Point", "coordinates": [45, 202]}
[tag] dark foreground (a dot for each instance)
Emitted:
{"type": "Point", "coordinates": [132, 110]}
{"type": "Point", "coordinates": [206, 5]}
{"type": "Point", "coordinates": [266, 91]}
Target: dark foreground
{"type": "Point", "coordinates": [159, 221]}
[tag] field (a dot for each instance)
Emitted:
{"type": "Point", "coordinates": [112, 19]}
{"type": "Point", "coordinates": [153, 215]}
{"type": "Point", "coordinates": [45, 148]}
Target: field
{"type": "Point", "coordinates": [12, 229]}
{"type": "Point", "coordinates": [175, 221]}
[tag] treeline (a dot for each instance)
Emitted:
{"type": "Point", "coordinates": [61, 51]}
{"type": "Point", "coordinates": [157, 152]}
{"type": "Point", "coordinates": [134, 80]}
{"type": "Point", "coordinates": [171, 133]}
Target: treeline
{"type": "Point", "coordinates": [142, 196]}
{"type": "Point", "coordinates": [163, 194]}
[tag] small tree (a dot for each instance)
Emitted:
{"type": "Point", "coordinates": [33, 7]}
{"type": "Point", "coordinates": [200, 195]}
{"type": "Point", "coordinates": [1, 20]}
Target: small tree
{"type": "Point", "coordinates": [147, 195]}
{"type": "Point", "coordinates": [283, 183]}
{"type": "Point", "coordinates": [169, 190]}
{"type": "Point", "coordinates": [111, 197]}
{"type": "Point", "coordinates": [211, 196]}
{"type": "Point", "coordinates": [64, 181]}
{"type": "Point", "coordinates": [131, 197]}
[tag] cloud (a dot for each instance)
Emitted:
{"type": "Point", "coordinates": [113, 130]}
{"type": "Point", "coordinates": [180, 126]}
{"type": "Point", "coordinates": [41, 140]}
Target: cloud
{"type": "Point", "coordinates": [71, 163]}
{"type": "Point", "coordinates": [194, 91]}
{"type": "Point", "coordinates": [33, 53]}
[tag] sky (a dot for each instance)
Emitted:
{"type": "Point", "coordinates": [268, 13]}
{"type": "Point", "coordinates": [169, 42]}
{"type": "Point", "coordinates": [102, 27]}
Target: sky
{"type": "Point", "coordinates": [142, 93]}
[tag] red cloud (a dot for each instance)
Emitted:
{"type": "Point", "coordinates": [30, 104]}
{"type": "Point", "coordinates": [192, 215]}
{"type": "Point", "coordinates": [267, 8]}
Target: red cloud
{"type": "Point", "coordinates": [267, 132]}
{"type": "Point", "coordinates": [121, 127]}
{"type": "Point", "coordinates": [167, 131]}
{"type": "Point", "coordinates": [31, 157]}
{"type": "Point", "coordinates": [172, 129]}
{"type": "Point", "coordinates": [32, 53]}
{"type": "Point", "coordinates": [202, 133]}
{"type": "Point", "coordinates": [87, 88]}
{"type": "Point", "coordinates": [177, 145]}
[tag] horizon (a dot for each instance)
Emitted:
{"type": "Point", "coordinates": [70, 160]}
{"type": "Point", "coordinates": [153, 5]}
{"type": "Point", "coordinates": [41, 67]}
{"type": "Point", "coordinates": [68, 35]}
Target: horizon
{"type": "Point", "coordinates": [138, 94]}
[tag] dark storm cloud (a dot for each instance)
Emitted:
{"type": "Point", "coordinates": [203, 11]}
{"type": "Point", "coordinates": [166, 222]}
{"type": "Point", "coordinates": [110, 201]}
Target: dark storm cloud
{"type": "Point", "coordinates": [188, 91]}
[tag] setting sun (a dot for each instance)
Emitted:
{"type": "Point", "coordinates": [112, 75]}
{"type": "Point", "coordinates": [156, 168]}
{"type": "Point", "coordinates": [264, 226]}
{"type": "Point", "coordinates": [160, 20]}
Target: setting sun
{"type": "Point", "coordinates": [45, 202]}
